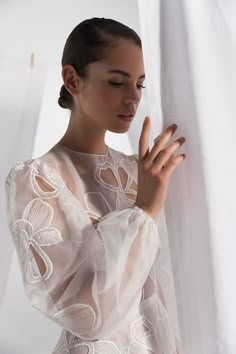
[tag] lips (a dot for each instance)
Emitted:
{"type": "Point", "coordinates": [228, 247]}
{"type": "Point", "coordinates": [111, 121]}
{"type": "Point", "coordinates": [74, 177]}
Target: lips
{"type": "Point", "coordinates": [127, 114]}
{"type": "Point", "coordinates": [126, 118]}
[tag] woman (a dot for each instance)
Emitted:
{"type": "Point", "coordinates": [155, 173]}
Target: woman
{"type": "Point", "coordinates": [84, 216]}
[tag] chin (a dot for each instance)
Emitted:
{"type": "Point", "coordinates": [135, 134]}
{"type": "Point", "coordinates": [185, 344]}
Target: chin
{"type": "Point", "coordinates": [118, 130]}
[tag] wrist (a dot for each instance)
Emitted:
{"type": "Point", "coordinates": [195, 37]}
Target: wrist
{"type": "Point", "coordinates": [146, 210]}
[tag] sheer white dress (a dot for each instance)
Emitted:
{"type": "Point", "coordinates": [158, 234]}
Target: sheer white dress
{"type": "Point", "coordinates": [88, 255]}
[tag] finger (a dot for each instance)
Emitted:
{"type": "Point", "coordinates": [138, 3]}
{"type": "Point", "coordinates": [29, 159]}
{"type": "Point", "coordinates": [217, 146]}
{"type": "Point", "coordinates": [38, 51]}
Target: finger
{"type": "Point", "coordinates": [172, 126]}
{"type": "Point", "coordinates": [171, 165]}
{"type": "Point", "coordinates": [156, 138]}
{"type": "Point", "coordinates": [161, 142]}
{"type": "Point", "coordinates": [160, 146]}
{"type": "Point", "coordinates": [144, 139]}
{"type": "Point", "coordinates": [167, 153]}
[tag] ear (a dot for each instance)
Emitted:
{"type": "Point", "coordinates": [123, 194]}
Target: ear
{"type": "Point", "coordinates": [71, 79]}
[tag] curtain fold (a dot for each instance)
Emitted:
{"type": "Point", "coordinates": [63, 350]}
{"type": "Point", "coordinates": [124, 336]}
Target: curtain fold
{"type": "Point", "coordinates": [21, 95]}
{"type": "Point", "coordinates": [190, 63]}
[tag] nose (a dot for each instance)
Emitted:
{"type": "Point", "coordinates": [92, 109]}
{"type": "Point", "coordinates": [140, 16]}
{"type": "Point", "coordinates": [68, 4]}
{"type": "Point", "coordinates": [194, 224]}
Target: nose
{"type": "Point", "coordinates": [132, 95]}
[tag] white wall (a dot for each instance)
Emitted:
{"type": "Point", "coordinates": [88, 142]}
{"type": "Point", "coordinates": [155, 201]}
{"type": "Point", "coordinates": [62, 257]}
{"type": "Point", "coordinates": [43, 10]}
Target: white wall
{"type": "Point", "coordinates": [42, 27]}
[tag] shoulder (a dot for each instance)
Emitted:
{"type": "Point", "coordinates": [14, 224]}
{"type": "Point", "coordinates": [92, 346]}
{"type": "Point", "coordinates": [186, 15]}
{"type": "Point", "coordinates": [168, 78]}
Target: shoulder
{"type": "Point", "coordinates": [27, 171]}
{"type": "Point", "coordinates": [19, 168]}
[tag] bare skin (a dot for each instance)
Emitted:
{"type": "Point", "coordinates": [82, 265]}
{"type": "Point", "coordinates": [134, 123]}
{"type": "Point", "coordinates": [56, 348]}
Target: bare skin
{"type": "Point", "coordinates": [155, 168]}
{"type": "Point", "coordinates": [97, 104]}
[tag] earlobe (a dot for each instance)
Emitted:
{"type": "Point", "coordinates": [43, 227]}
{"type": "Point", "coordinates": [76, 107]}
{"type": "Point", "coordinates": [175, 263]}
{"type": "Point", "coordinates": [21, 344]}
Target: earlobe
{"type": "Point", "coordinates": [70, 79]}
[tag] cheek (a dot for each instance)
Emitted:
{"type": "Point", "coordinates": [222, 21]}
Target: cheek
{"type": "Point", "coordinates": [100, 97]}
{"type": "Point", "coordinates": [106, 99]}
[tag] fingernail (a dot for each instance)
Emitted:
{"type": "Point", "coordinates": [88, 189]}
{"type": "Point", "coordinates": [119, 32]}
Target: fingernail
{"type": "Point", "coordinates": [146, 120]}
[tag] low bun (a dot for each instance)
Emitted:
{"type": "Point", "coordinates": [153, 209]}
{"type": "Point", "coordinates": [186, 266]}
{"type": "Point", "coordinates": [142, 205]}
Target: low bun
{"type": "Point", "coordinates": [65, 100]}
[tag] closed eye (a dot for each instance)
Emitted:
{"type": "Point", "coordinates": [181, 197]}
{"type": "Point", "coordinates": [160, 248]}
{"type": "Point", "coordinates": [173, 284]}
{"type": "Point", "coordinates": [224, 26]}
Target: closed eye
{"type": "Point", "coordinates": [140, 86]}
{"type": "Point", "coordinates": [119, 84]}
{"type": "Point", "coordinates": [116, 83]}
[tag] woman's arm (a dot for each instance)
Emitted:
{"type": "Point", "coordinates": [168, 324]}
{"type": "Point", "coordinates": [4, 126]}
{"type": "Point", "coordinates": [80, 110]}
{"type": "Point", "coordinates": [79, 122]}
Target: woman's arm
{"type": "Point", "coordinates": [88, 278]}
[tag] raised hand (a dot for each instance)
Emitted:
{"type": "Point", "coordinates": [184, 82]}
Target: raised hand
{"type": "Point", "coordinates": [155, 167]}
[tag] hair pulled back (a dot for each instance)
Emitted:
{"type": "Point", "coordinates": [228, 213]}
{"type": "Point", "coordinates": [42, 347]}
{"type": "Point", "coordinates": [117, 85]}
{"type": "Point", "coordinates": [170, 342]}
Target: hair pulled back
{"type": "Point", "coordinates": [87, 44]}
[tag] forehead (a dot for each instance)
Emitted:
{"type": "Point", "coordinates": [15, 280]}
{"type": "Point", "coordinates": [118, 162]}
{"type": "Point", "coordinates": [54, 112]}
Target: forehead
{"type": "Point", "coordinates": [124, 55]}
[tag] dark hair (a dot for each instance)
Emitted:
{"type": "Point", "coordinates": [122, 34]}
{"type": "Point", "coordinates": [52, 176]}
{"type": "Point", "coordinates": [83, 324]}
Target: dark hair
{"type": "Point", "coordinates": [87, 43]}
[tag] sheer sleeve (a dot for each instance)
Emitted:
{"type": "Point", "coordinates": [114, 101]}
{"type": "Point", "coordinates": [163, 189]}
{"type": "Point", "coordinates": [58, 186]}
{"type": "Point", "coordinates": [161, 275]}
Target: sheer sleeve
{"type": "Point", "coordinates": [87, 278]}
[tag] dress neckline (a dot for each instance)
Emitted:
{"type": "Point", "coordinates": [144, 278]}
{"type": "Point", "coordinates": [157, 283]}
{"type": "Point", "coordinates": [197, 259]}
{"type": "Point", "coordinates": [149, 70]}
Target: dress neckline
{"type": "Point", "coordinates": [83, 153]}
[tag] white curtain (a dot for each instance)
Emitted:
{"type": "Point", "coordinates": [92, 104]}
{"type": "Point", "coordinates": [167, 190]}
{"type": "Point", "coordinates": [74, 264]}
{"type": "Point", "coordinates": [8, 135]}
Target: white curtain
{"type": "Point", "coordinates": [190, 62]}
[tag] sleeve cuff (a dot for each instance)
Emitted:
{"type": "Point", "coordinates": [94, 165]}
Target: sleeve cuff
{"type": "Point", "coordinates": [142, 212]}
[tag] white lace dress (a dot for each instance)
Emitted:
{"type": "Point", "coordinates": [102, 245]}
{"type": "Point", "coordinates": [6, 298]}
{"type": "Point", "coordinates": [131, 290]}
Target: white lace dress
{"type": "Point", "coordinates": [88, 255]}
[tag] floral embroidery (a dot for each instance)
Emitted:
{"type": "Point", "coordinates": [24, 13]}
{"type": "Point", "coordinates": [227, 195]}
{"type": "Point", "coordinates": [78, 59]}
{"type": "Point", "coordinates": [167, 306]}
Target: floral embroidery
{"type": "Point", "coordinates": [141, 334]}
{"type": "Point", "coordinates": [95, 201]}
{"type": "Point", "coordinates": [34, 230]}
{"type": "Point", "coordinates": [119, 178]}
{"type": "Point", "coordinates": [164, 340]}
{"type": "Point", "coordinates": [53, 181]}
{"type": "Point", "coordinates": [79, 317]}
{"type": "Point", "coordinates": [70, 344]}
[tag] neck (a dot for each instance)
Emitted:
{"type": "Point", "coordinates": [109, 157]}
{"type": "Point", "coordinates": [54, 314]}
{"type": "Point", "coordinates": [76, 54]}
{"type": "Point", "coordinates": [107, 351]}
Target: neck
{"type": "Point", "coordinates": [81, 136]}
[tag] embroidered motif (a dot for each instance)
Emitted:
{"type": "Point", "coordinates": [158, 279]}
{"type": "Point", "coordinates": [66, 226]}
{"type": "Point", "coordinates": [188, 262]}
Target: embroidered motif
{"type": "Point", "coordinates": [95, 201]}
{"type": "Point", "coordinates": [53, 180]}
{"type": "Point", "coordinates": [69, 343]}
{"type": "Point", "coordinates": [119, 178]}
{"type": "Point", "coordinates": [164, 340]}
{"type": "Point", "coordinates": [79, 318]}
{"type": "Point", "coordinates": [34, 230]}
{"type": "Point", "coordinates": [141, 333]}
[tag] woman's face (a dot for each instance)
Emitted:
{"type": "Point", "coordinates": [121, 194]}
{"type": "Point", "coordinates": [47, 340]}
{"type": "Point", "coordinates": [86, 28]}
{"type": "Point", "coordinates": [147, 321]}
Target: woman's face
{"type": "Point", "coordinates": [113, 88]}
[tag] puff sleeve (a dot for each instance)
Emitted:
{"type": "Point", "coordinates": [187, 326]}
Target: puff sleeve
{"type": "Point", "coordinates": [85, 277]}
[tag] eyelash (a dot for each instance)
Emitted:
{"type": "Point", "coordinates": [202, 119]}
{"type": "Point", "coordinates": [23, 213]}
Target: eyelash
{"type": "Point", "coordinates": [119, 84]}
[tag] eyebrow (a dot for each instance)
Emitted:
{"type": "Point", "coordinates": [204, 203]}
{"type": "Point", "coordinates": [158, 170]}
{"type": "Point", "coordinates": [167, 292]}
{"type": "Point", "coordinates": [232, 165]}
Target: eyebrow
{"type": "Point", "coordinates": [117, 71]}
